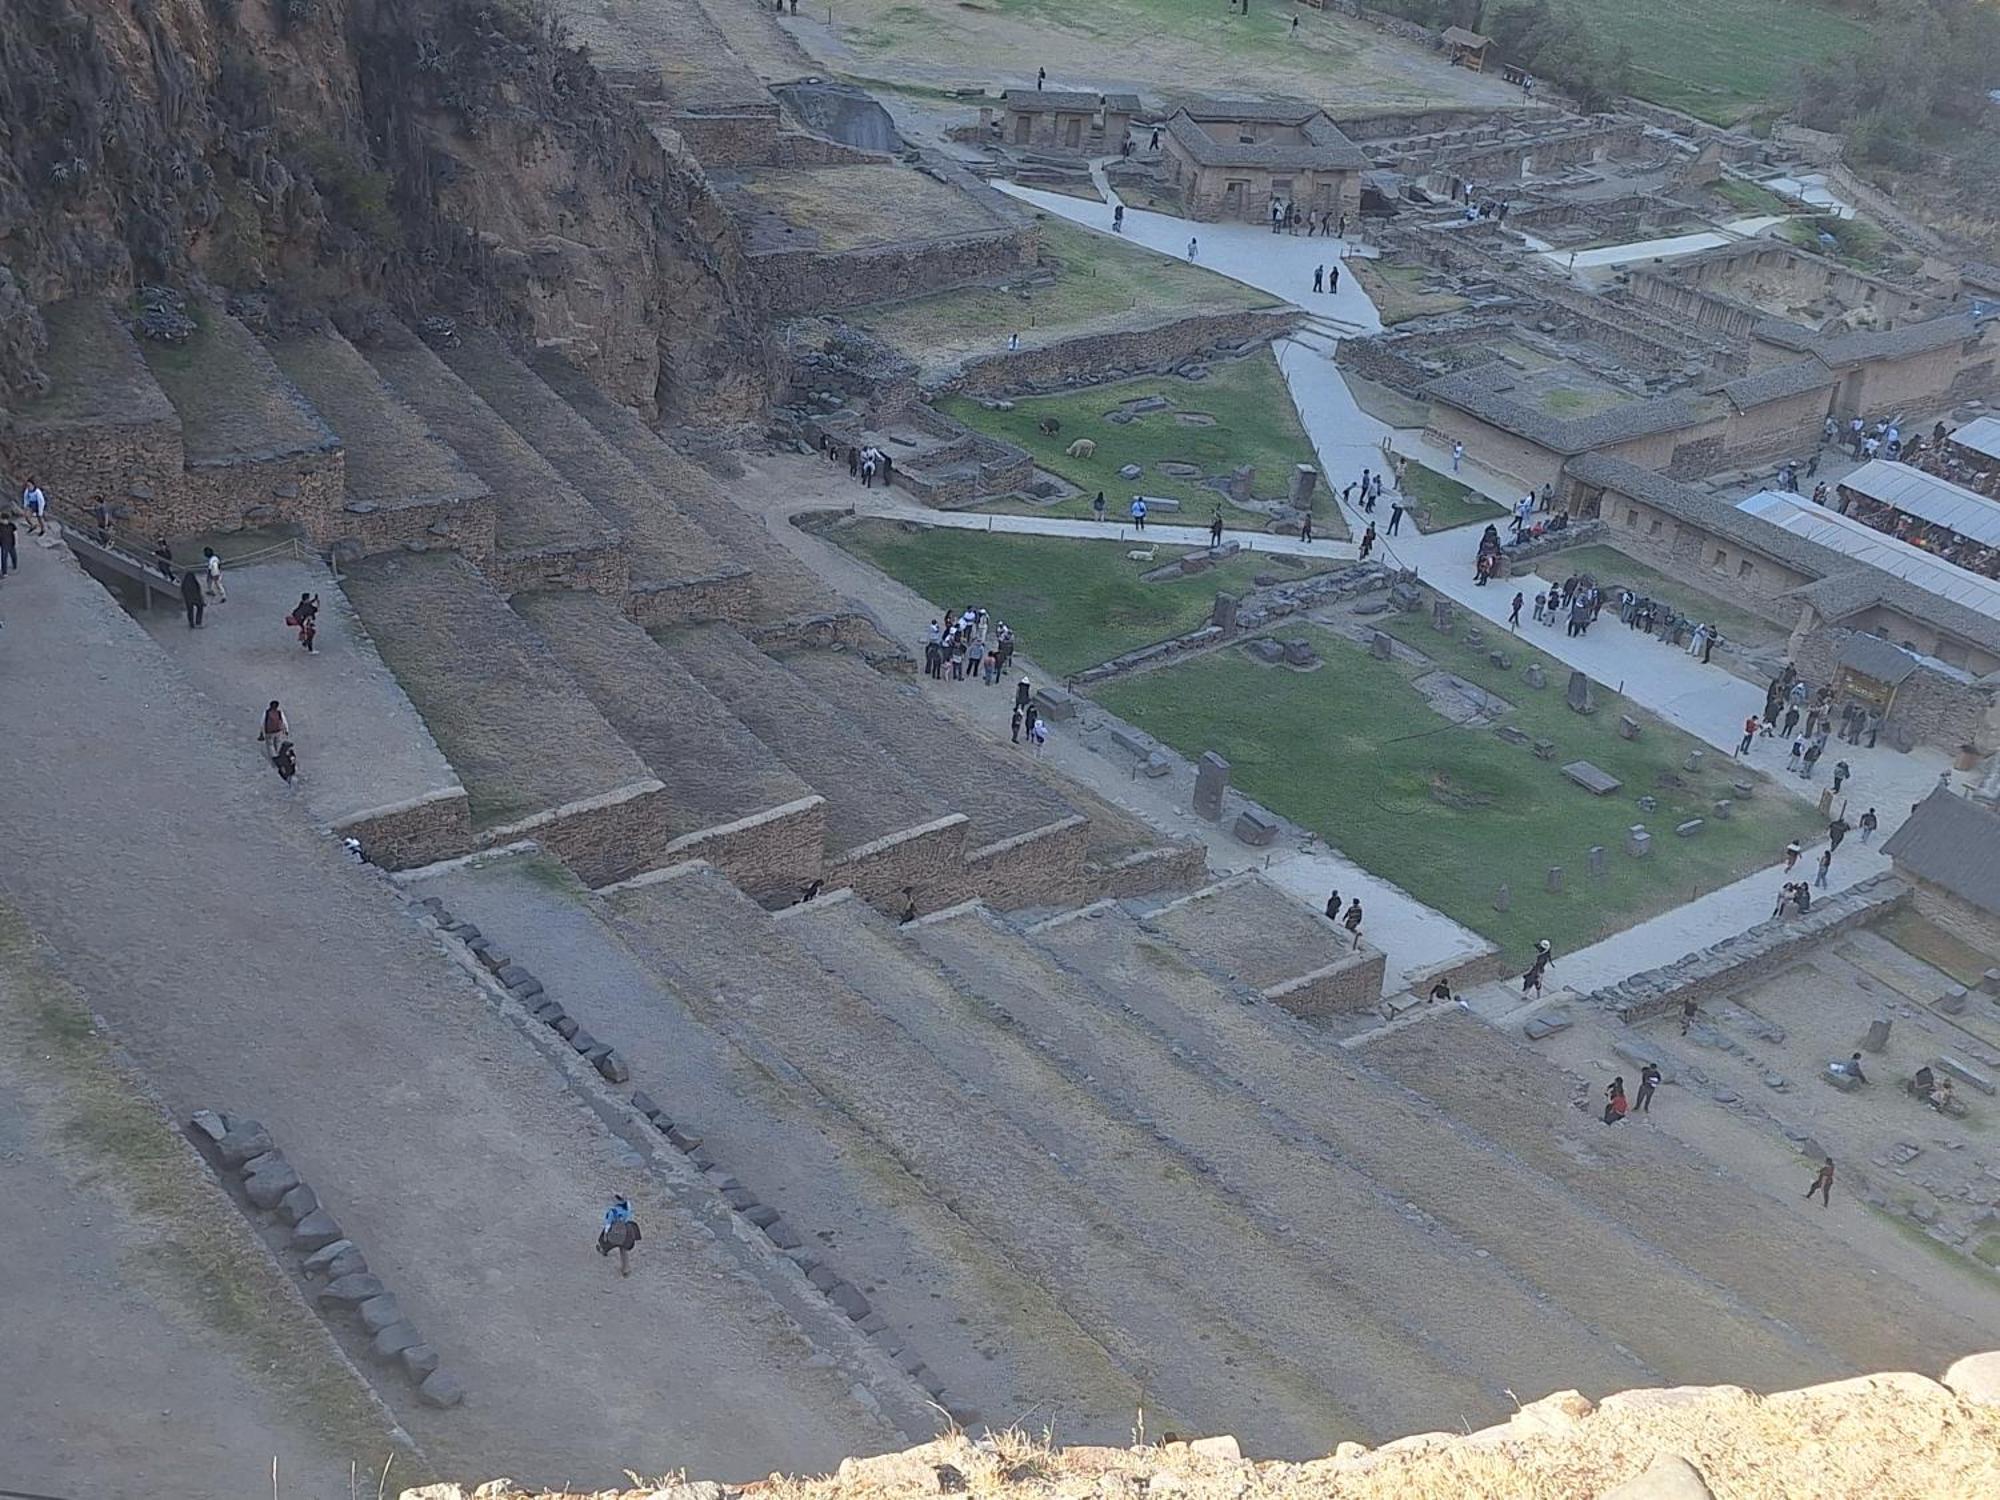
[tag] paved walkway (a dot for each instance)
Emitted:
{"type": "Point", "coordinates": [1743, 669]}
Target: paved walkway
{"type": "Point", "coordinates": [1706, 700]}
{"type": "Point", "coordinates": [889, 506]}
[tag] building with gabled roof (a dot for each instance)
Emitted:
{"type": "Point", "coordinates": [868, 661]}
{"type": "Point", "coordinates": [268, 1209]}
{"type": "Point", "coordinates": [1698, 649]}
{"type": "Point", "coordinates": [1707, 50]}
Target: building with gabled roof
{"type": "Point", "coordinates": [1236, 159]}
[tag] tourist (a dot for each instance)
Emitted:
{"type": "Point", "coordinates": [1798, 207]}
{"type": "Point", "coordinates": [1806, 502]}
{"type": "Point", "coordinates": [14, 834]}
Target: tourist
{"type": "Point", "coordinates": [1792, 850]}
{"type": "Point", "coordinates": [101, 510]}
{"type": "Point", "coordinates": [1333, 906]}
{"type": "Point", "coordinates": [1514, 611]}
{"type": "Point", "coordinates": [1040, 734]}
{"type": "Point", "coordinates": [1192, 246]}
{"type": "Point", "coordinates": [10, 557]}
{"type": "Point", "coordinates": [1439, 991]}
{"type": "Point", "coordinates": [1352, 921]}
{"type": "Point", "coordinates": [1013, 343]}
{"type": "Point", "coordinates": [287, 763]}
{"type": "Point", "coordinates": [1097, 507]}
{"type": "Point", "coordinates": [274, 730]}
{"type": "Point", "coordinates": [1690, 1008]}
{"type": "Point", "coordinates": [163, 559]}
{"type": "Point", "coordinates": [1533, 978]}
{"type": "Point", "coordinates": [1874, 727]}
{"type": "Point", "coordinates": [620, 1233]}
{"type": "Point", "coordinates": [1154, 145]}
{"type": "Point", "coordinates": [1333, 278]}
{"type": "Point", "coordinates": [1118, 211]}
{"type": "Point", "coordinates": [1749, 734]}
{"type": "Point", "coordinates": [1798, 748]}
{"type": "Point", "coordinates": [1791, 719]}
{"type": "Point", "coordinates": [1030, 718]}
{"type": "Point", "coordinates": [1367, 541]}
{"type": "Point", "coordinates": [36, 504]}
{"type": "Point", "coordinates": [1215, 528]}
{"type": "Point", "coordinates": [192, 598]}
{"type": "Point", "coordinates": [1614, 1101]}
{"type": "Point", "coordinates": [1836, 831]}
{"type": "Point", "coordinates": [1023, 693]}
{"type": "Point", "coordinates": [1869, 823]}
{"type": "Point", "coordinates": [1014, 727]}
{"type": "Point", "coordinates": [1138, 512]}
{"type": "Point", "coordinates": [1852, 1068]}
{"type": "Point", "coordinates": [975, 665]}
{"type": "Point", "coordinates": [211, 567]}
{"type": "Point", "coordinates": [304, 618]}
{"type": "Point", "coordinates": [1825, 864]}
{"type": "Point", "coordinates": [1041, 77]}
{"type": "Point", "coordinates": [1649, 1079]}
{"type": "Point", "coordinates": [1306, 527]}
{"type": "Point", "coordinates": [1395, 518]}
{"type": "Point", "coordinates": [1812, 755]}
{"type": "Point", "coordinates": [1802, 894]}
{"type": "Point", "coordinates": [1822, 1184]}
{"type": "Point", "coordinates": [1319, 278]}
{"type": "Point", "coordinates": [1841, 771]}
{"type": "Point", "coordinates": [909, 906]}
{"type": "Point", "coordinates": [1457, 456]}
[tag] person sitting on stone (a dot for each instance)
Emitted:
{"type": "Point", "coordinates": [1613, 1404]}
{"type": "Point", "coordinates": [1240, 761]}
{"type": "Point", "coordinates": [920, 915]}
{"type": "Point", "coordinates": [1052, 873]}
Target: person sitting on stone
{"type": "Point", "coordinates": [1852, 1068]}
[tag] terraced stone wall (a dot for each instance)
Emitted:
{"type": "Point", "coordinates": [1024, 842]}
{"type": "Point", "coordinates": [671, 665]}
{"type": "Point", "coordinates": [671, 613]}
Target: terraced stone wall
{"type": "Point", "coordinates": [797, 282]}
{"type": "Point", "coordinates": [770, 854]}
{"type": "Point", "coordinates": [929, 861]}
{"type": "Point", "coordinates": [604, 839]}
{"type": "Point", "coordinates": [288, 489]}
{"type": "Point", "coordinates": [1144, 872]}
{"type": "Point", "coordinates": [136, 466]}
{"type": "Point", "coordinates": [458, 525]}
{"type": "Point", "coordinates": [413, 833]}
{"type": "Point", "coordinates": [1043, 867]}
{"type": "Point", "coordinates": [1088, 360]}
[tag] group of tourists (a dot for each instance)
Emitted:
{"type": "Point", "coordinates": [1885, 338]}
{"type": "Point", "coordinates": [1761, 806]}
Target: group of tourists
{"type": "Point", "coordinates": [963, 647]}
{"type": "Point", "coordinates": [865, 462]}
{"type": "Point", "coordinates": [1617, 1107]}
{"type": "Point", "coordinates": [1573, 603]}
{"type": "Point", "coordinates": [1668, 625]}
{"type": "Point", "coordinates": [1287, 217]}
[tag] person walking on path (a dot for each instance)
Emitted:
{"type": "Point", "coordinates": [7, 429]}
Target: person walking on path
{"type": "Point", "coordinates": [1835, 832]}
{"type": "Point", "coordinates": [1798, 751]}
{"type": "Point", "coordinates": [1825, 864]}
{"type": "Point", "coordinates": [211, 567]}
{"type": "Point", "coordinates": [1023, 692]}
{"type": "Point", "coordinates": [304, 618]}
{"type": "Point", "coordinates": [287, 763]}
{"type": "Point", "coordinates": [620, 1233]}
{"type": "Point", "coordinates": [36, 504]}
{"type": "Point", "coordinates": [1193, 248]}
{"type": "Point", "coordinates": [1097, 507]}
{"type": "Point", "coordinates": [1333, 906]}
{"type": "Point", "coordinates": [1138, 512]}
{"type": "Point", "coordinates": [1514, 612]}
{"type": "Point", "coordinates": [1869, 823]}
{"type": "Point", "coordinates": [1792, 852]}
{"type": "Point", "coordinates": [1014, 726]}
{"type": "Point", "coordinates": [1215, 528]}
{"type": "Point", "coordinates": [275, 729]}
{"type": "Point", "coordinates": [1822, 1184]}
{"type": "Point", "coordinates": [10, 557]}
{"type": "Point", "coordinates": [1319, 278]}
{"type": "Point", "coordinates": [1333, 278]}
{"type": "Point", "coordinates": [1749, 734]}
{"type": "Point", "coordinates": [1544, 952]}
{"type": "Point", "coordinates": [1649, 1079]}
{"type": "Point", "coordinates": [1812, 756]}
{"type": "Point", "coordinates": [192, 599]}
{"type": "Point", "coordinates": [1841, 771]}
{"type": "Point", "coordinates": [1367, 541]}
{"type": "Point", "coordinates": [1457, 456]}
{"type": "Point", "coordinates": [1306, 527]}
{"type": "Point", "coordinates": [1352, 921]}
{"type": "Point", "coordinates": [1395, 517]}
{"type": "Point", "coordinates": [163, 557]}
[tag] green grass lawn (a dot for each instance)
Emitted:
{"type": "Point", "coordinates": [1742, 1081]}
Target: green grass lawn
{"type": "Point", "coordinates": [1612, 568]}
{"type": "Point", "coordinates": [1748, 198]}
{"type": "Point", "coordinates": [1071, 604]}
{"type": "Point", "coordinates": [1857, 242]}
{"type": "Point", "coordinates": [1438, 502]}
{"type": "Point", "coordinates": [1097, 281]}
{"type": "Point", "coordinates": [1720, 59]}
{"type": "Point", "coordinates": [1449, 812]}
{"type": "Point", "coordinates": [1254, 422]}
{"type": "Point", "coordinates": [1398, 291]}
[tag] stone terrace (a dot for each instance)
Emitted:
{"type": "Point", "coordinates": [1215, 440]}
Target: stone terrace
{"type": "Point", "coordinates": [1245, 929]}
{"type": "Point", "coordinates": [402, 484]}
{"type": "Point", "coordinates": [678, 571]}
{"type": "Point", "coordinates": [545, 533]}
{"type": "Point", "coordinates": [536, 757]}
{"type": "Point", "coordinates": [233, 401]}
{"type": "Point", "coordinates": [717, 773]}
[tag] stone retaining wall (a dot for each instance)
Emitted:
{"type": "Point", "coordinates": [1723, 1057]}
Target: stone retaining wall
{"type": "Point", "coordinates": [1962, 920]}
{"type": "Point", "coordinates": [1751, 955]}
{"type": "Point", "coordinates": [928, 860]}
{"type": "Point", "coordinates": [797, 282]}
{"type": "Point", "coordinates": [1145, 872]}
{"type": "Point", "coordinates": [727, 596]}
{"type": "Point", "coordinates": [1095, 358]}
{"type": "Point", "coordinates": [1352, 984]}
{"type": "Point", "coordinates": [748, 138]}
{"type": "Point", "coordinates": [604, 839]}
{"type": "Point", "coordinates": [1042, 867]}
{"type": "Point", "coordinates": [777, 852]}
{"type": "Point", "coordinates": [593, 570]}
{"type": "Point", "coordinates": [435, 826]}
{"type": "Point", "coordinates": [459, 524]}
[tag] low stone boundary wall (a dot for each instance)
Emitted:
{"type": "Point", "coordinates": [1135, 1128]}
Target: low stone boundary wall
{"type": "Point", "coordinates": [777, 852]}
{"type": "Point", "coordinates": [1095, 358]}
{"type": "Point", "coordinates": [422, 831]}
{"type": "Point", "coordinates": [593, 570]}
{"type": "Point", "coordinates": [1146, 872]}
{"type": "Point", "coordinates": [363, 529]}
{"type": "Point", "coordinates": [928, 861]}
{"type": "Point", "coordinates": [728, 595]}
{"type": "Point", "coordinates": [318, 1250]}
{"type": "Point", "coordinates": [1751, 955]}
{"type": "Point", "coordinates": [605, 838]}
{"type": "Point", "coordinates": [797, 282]}
{"type": "Point", "coordinates": [1042, 867]}
{"type": "Point", "coordinates": [1352, 984]}
{"type": "Point", "coordinates": [1576, 534]}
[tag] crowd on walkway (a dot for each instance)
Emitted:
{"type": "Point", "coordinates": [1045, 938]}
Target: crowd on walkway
{"type": "Point", "coordinates": [967, 646]}
{"type": "Point", "coordinates": [865, 462]}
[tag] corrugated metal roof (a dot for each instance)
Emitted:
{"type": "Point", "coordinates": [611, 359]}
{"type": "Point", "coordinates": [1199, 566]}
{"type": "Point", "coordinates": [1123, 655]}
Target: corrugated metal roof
{"type": "Point", "coordinates": [1938, 501]}
{"type": "Point", "coordinates": [1981, 436]}
{"type": "Point", "coordinates": [1951, 841]}
{"type": "Point", "coordinates": [1864, 544]}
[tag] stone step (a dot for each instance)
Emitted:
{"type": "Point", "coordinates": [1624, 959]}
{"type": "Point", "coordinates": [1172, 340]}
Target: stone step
{"type": "Point", "coordinates": [1717, 1224]}
{"type": "Point", "coordinates": [1248, 931]}
{"type": "Point", "coordinates": [678, 571]}
{"type": "Point", "coordinates": [545, 534]}
{"type": "Point", "coordinates": [402, 486]}
{"type": "Point", "coordinates": [535, 756]}
{"type": "Point", "coordinates": [1026, 845]}
{"type": "Point", "coordinates": [1635, 1294]}
{"type": "Point", "coordinates": [876, 810]}
{"type": "Point", "coordinates": [782, 588]}
{"type": "Point", "coordinates": [947, 1294]}
{"type": "Point", "coordinates": [730, 800]}
{"type": "Point", "coordinates": [1142, 1287]}
{"type": "Point", "coordinates": [1419, 1309]}
{"type": "Point", "coordinates": [103, 428]}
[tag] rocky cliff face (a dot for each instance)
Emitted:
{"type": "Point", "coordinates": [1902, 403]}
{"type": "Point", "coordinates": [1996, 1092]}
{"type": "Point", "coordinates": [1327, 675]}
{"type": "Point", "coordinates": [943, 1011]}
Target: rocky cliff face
{"type": "Point", "coordinates": [446, 156]}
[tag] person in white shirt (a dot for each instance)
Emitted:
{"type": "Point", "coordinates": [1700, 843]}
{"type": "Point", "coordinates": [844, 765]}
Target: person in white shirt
{"type": "Point", "coordinates": [211, 567]}
{"type": "Point", "coordinates": [36, 504]}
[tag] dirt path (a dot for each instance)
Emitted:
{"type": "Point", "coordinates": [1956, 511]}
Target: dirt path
{"type": "Point", "coordinates": [244, 963]}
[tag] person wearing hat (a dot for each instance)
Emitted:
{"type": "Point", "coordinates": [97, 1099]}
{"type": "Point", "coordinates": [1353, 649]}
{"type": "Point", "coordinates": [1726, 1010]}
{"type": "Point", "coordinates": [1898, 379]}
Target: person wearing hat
{"type": "Point", "coordinates": [1532, 980]}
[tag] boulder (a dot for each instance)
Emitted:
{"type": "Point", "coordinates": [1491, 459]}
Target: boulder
{"type": "Point", "coordinates": [377, 1313]}
{"type": "Point", "coordinates": [389, 1343]}
{"type": "Point", "coordinates": [1255, 828]}
{"type": "Point", "coordinates": [351, 1288]}
{"type": "Point", "coordinates": [1130, 471]}
{"type": "Point", "coordinates": [1668, 1478]}
{"type": "Point", "coordinates": [316, 1231]}
{"type": "Point", "coordinates": [299, 1203]}
{"type": "Point", "coordinates": [246, 1141]}
{"type": "Point", "coordinates": [441, 1388]}
{"type": "Point", "coordinates": [419, 1360]}
{"type": "Point", "coordinates": [267, 1187]}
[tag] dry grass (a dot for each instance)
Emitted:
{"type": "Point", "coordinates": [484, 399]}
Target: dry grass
{"type": "Point", "coordinates": [1890, 1437]}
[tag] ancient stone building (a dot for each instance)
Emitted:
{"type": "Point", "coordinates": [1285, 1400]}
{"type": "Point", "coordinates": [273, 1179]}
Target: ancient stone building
{"type": "Point", "coordinates": [1231, 159]}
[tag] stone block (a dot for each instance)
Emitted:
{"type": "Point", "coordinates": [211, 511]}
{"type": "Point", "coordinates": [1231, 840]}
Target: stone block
{"type": "Point", "coordinates": [1500, 659]}
{"type": "Point", "coordinates": [612, 1066]}
{"type": "Point", "coordinates": [1055, 704]}
{"type": "Point", "coordinates": [246, 1141]}
{"type": "Point", "coordinates": [1299, 487]}
{"type": "Point", "coordinates": [1503, 898]}
{"type": "Point", "coordinates": [1878, 1035]}
{"type": "Point", "coordinates": [1211, 780]}
{"type": "Point", "coordinates": [300, 1203]}
{"type": "Point", "coordinates": [209, 1123]}
{"type": "Point", "coordinates": [1649, 803]}
{"type": "Point", "coordinates": [1300, 653]}
{"type": "Point", "coordinates": [582, 1041]}
{"type": "Point", "coordinates": [1547, 1024]}
{"type": "Point", "coordinates": [1690, 828]}
{"type": "Point", "coordinates": [1442, 620]}
{"type": "Point", "coordinates": [1381, 647]}
{"type": "Point", "coordinates": [1952, 1001]}
{"type": "Point", "coordinates": [1475, 638]}
{"type": "Point", "coordinates": [780, 1233]}
{"type": "Point", "coordinates": [762, 1215]}
{"type": "Point", "coordinates": [389, 1344]}
{"type": "Point", "coordinates": [441, 1389]}
{"type": "Point", "coordinates": [1223, 615]}
{"type": "Point", "coordinates": [317, 1230]}
{"type": "Point", "coordinates": [1989, 982]}
{"type": "Point", "coordinates": [512, 975]}
{"type": "Point", "coordinates": [378, 1313]}
{"type": "Point", "coordinates": [326, 1254]}
{"type": "Point", "coordinates": [1130, 471]}
{"type": "Point", "coordinates": [643, 1102]}
{"type": "Point", "coordinates": [1512, 735]}
{"type": "Point", "coordinates": [849, 1299]}
{"type": "Point", "coordinates": [1534, 676]}
{"type": "Point", "coordinates": [1579, 696]}
{"type": "Point", "coordinates": [1553, 881]}
{"type": "Point", "coordinates": [1255, 828]}
{"type": "Point", "coordinates": [1593, 779]}
{"type": "Point", "coordinates": [355, 1288]}
{"type": "Point", "coordinates": [1628, 727]}
{"type": "Point", "coordinates": [1724, 809]}
{"type": "Point", "coordinates": [565, 1027]}
{"type": "Point", "coordinates": [1595, 856]}
{"type": "Point", "coordinates": [1545, 749]}
{"type": "Point", "coordinates": [1157, 764]}
{"type": "Point", "coordinates": [1966, 1074]}
{"type": "Point", "coordinates": [1638, 842]}
{"type": "Point", "coordinates": [1693, 761]}
{"type": "Point", "coordinates": [1742, 791]}
{"type": "Point", "coordinates": [1266, 650]}
{"type": "Point", "coordinates": [267, 1187]}
{"type": "Point", "coordinates": [419, 1360]}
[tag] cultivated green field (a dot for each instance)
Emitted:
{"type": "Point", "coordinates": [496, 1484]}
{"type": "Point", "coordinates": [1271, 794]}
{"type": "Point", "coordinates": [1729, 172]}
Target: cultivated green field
{"type": "Point", "coordinates": [1449, 811]}
{"type": "Point", "coordinates": [1071, 604]}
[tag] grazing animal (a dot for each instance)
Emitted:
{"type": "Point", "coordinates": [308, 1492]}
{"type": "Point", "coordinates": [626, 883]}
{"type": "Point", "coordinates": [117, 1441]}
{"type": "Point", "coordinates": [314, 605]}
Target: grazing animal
{"type": "Point", "coordinates": [1142, 554]}
{"type": "Point", "coordinates": [1048, 426]}
{"type": "Point", "coordinates": [1082, 448]}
